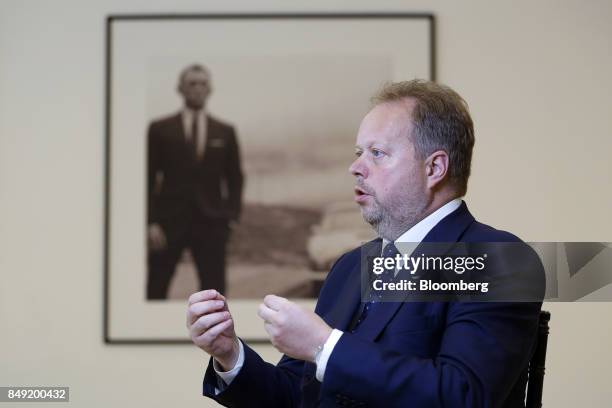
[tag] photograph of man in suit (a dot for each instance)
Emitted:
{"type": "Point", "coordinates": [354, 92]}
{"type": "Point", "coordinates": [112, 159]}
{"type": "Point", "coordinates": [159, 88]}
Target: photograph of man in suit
{"type": "Point", "coordinates": [194, 188]}
{"type": "Point", "coordinates": [413, 155]}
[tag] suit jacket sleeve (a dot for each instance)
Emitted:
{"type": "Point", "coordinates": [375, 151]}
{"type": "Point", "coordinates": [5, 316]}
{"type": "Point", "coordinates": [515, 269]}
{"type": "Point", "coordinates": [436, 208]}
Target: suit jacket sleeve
{"type": "Point", "coordinates": [153, 166]}
{"type": "Point", "coordinates": [234, 177]}
{"type": "Point", "coordinates": [258, 384]}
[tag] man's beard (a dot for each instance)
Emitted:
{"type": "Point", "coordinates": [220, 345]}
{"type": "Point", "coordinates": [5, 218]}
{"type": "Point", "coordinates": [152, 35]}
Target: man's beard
{"type": "Point", "coordinates": [392, 220]}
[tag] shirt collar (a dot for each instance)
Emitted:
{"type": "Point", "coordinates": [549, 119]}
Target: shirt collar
{"type": "Point", "coordinates": [187, 113]}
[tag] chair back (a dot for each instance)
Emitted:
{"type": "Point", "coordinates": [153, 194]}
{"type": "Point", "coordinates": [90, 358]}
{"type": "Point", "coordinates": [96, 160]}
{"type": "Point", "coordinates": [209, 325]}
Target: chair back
{"type": "Point", "coordinates": [535, 382]}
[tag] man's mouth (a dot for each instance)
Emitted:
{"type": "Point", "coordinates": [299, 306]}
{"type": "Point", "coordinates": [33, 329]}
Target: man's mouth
{"type": "Point", "coordinates": [361, 194]}
{"type": "Point", "coordinates": [359, 191]}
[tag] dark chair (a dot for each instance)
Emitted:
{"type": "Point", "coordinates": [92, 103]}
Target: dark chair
{"type": "Point", "coordinates": [535, 383]}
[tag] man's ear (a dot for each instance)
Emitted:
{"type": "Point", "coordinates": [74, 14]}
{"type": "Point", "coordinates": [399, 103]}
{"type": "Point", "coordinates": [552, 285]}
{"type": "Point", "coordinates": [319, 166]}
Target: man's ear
{"type": "Point", "coordinates": [436, 168]}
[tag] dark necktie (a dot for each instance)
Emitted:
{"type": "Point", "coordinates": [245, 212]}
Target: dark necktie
{"type": "Point", "coordinates": [193, 140]}
{"type": "Point", "coordinates": [390, 251]}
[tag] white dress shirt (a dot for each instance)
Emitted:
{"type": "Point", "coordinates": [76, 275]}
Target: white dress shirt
{"type": "Point", "coordinates": [228, 376]}
{"type": "Point", "coordinates": [413, 235]}
{"type": "Point", "coordinates": [200, 139]}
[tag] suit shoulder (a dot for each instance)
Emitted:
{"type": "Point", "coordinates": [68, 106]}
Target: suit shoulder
{"type": "Point", "coordinates": [164, 121]}
{"type": "Point", "coordinates": [513, 264]}
{"type": "Point", "coordinates": [478, 231]}
{"type": "Point", "coordinates": [220, 123]}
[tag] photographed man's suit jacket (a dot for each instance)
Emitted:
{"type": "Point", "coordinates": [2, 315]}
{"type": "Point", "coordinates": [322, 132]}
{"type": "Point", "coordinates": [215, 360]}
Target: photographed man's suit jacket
{"type": "Point", "coordinates": [410, 354]}
{"type": "Point", "coordinates": [210, 187]}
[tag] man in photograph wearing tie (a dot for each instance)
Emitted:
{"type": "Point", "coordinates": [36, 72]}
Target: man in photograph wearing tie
{"type": "Point", "coordinates": [413, 155]}
{"type": "Point", "coordinates": [194, 188]}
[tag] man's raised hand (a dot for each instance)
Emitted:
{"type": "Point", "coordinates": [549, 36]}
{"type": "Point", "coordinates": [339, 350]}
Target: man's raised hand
{"type": "Point", "coordinates": [211, 327]}
{"type": "Point", "coordinates": [293, 330]}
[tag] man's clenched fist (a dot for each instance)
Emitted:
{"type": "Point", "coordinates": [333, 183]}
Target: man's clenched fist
{"type": "Point", "coordinates": [293, 330]}
{"type": "Point", "coordinates": [211, 327]}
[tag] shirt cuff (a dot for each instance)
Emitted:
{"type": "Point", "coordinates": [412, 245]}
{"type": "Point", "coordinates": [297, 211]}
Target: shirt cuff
{"type": "Point", "coordinates": [228, 376]}
{"type": "Point", "coordinates": [323, 357]}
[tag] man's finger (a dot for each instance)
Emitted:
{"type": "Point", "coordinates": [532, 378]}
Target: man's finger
{"type": "Point", "coordinates": [155, 245]}
{"type": "Point", "coordinates": [195, 310]}
{"type": "Point", "coordinates": [208, 321]}
{"type": "Point", "coordinates": [268, 315]}
{"type": "Point", "coordinates": [162, 239]}
{"type": "Point", "coordinates": [210, 335]}
{"type": "Point", "coordinates": [203, 295]}
{"type": "Point", "coordinates": [274, 302]}
{"type": "Point", "coordinates": [269, 329]}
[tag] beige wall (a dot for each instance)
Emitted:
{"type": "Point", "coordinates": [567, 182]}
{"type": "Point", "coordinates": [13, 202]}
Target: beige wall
{"type": "Point", "coordinates": [536, 75]}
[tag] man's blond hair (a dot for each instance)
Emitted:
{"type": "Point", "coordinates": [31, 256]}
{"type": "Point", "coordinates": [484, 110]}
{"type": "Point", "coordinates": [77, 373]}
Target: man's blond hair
{"type": "Point", "coordinates": [441, 121]}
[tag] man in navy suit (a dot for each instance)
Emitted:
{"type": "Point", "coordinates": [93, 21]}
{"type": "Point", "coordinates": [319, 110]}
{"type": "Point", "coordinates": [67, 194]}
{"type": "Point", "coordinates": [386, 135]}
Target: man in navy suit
{"type": "Point", "coordinates": [194, 188]}
{"type": "Point", "coordinates": [413, 155]}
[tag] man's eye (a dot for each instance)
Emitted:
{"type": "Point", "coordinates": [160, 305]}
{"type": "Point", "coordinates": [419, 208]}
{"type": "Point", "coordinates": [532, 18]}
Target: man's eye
{"type": "Point", "coordinates": [358, 153]}
{"type": "Point", "coordinates": [377, 153]}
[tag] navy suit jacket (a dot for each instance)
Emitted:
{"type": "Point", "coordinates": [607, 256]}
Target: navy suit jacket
{"type": "Point", "coordinates": [417, 354]}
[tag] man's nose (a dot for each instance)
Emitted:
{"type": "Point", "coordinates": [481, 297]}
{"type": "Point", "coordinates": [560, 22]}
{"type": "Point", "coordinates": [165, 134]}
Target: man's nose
{"type": "Point", "coordinates": [200, 86]}
{"type": "Point", "coordinates": [358, 168]}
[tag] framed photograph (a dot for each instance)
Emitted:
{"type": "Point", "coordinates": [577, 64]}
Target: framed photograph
{"type": "Point", "coordinates": [228, 142]}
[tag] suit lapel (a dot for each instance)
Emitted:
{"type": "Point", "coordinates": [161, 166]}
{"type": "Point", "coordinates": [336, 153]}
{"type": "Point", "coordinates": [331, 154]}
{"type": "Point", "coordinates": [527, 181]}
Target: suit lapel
{"type": "Point", "coordinates": [211, 133]}
{"type": "Point", "coordinates": [448, 231]}
{"type": "Point", "coordinates": [339, 316]}
{"type": "Point", "coordinates": [178, 129]}
{"type": "Point", "coordinates": [349, 296]}
{"type": "Point", "coordinates": [177, 141]}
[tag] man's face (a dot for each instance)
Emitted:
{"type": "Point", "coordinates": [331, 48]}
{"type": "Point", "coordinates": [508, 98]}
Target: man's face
{"type": "Point", "coordinates": [195, 88]}
{"type": "Point", "coordinates": [390, 181]}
